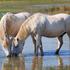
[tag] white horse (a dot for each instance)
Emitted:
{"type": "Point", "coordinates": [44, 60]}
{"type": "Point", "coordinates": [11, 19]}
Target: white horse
{"type": "Point", "coordinates": [9, 26]}
{"type": "Point", "coordinates": [39, 25]}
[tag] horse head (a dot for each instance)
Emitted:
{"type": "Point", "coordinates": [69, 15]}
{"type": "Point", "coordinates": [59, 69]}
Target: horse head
{"type": "Point", "coordinates": [9, 49]}
{"type": "Point", "coordinates": [16, 42]}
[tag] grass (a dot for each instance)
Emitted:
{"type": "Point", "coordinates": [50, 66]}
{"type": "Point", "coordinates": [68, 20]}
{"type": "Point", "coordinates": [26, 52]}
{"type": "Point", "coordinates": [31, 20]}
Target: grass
{"type": "Point", "coordinates": [26, 5]}
{"type": "Point", "coordinates": [36, 1]}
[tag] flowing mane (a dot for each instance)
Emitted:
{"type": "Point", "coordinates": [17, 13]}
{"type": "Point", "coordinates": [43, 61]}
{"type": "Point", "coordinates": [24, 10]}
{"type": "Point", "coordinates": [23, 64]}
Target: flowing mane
{"type": "Point", "coordinates": [25, 29]}
{"type": "Point", "coordinates": [23, 32]}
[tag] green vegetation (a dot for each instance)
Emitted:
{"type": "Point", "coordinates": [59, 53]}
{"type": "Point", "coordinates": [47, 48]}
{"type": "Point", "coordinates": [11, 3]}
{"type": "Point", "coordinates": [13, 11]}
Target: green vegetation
{"type": "Point", "coordinates": [37, 1]}
{"type": "Point", "coordinates": [28, 5]}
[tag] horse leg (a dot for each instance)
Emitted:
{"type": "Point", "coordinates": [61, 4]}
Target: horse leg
{"type": "Point", "coordinates": [41, 48]}
{"type": "Point", "coordinates": [38, 44]}
{"type": "Point", "coordinates": [60, 43]}
{"type": "Point", "coordinates": [69, 37]}
{"type": "Point", "coordinates": [34, 43]}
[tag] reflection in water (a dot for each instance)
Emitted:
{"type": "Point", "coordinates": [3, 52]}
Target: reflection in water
{"type": "Point", "coordinates": [60, 63]}
{"type": "Point", "coordinates": [37, 63]}
{"type": "Point", "coordinates": [14, 63]}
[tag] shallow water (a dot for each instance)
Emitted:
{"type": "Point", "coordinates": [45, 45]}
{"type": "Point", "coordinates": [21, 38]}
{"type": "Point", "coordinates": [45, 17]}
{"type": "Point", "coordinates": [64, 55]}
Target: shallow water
{"type": "Point", "coordinates": [36, 63]}
{"type": "Point", "coordinates": [48, 62]}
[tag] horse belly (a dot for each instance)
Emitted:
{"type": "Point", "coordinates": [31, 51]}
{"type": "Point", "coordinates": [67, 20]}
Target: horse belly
{"type": "Point", "coordinates": [54, 31]}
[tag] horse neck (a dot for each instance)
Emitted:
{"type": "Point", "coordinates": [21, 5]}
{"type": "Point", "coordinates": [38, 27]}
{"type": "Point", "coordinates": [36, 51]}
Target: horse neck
{"type": "Point", "coordinates": [24, 32]}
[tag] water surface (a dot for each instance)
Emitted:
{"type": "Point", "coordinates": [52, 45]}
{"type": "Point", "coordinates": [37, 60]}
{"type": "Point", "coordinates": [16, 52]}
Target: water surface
{"type": "Point", "coordinates": [36, 63]}
{"type": "Point", "coordinates": [30, 62]}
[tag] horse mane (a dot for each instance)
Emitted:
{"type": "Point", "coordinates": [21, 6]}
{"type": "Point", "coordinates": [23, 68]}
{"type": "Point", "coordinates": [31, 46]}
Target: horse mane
{"type": "Point", "coordinates": [24, 30]}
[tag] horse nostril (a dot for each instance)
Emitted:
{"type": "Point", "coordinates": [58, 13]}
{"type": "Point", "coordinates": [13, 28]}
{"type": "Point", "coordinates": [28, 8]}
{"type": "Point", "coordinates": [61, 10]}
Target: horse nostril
{"type": "Point", "coordinates": [14, 45]}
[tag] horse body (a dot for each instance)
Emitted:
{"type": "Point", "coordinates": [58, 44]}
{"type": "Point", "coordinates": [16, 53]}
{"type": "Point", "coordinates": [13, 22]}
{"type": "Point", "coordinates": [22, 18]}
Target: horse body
{"type": "Point", "coordinates": [10, 24]}
{"type": "Point", "coordinates": [54, 26]}
{"type": "Point", "coordinates": [39, 25]}
{"type": "Point", "coordinates": [47, 25]}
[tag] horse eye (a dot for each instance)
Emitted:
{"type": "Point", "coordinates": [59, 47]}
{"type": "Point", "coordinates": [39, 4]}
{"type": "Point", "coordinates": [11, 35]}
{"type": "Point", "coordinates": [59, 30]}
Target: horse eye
{"type": "Point", "coordinates": [17, 39]}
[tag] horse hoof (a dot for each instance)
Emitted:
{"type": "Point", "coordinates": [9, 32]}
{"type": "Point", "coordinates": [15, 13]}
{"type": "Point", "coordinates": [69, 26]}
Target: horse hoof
{"type": "Point", "coordinates": [15, 55]}
{"type": "Point", "coordinates": [12, 55]}
{"type": "Point", "coordinates": [57, 53]}
{"type": "Point", "coordinates": [9, 55]}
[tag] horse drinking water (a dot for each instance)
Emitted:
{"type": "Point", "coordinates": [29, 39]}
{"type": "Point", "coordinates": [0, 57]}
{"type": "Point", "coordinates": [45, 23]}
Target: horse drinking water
{"type": "Point", "coordinates": [9, 26]}
{"type": "Point", "coordinates": [39, 25]}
